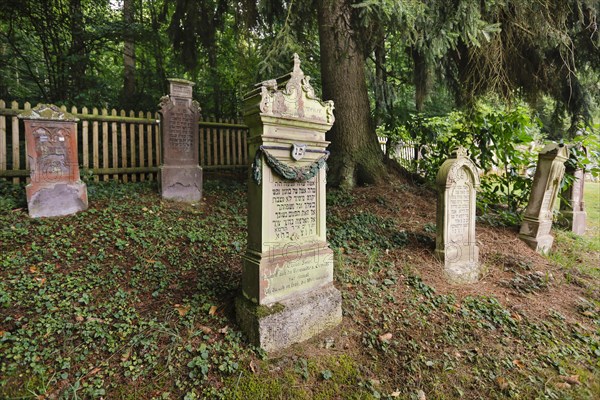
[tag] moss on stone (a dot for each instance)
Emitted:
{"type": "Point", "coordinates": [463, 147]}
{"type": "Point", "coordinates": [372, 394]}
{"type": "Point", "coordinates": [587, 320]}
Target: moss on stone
{"type": "Point", "coordinates": [260, 311]}
{"type": "Point", "coordinates": [265, 311]}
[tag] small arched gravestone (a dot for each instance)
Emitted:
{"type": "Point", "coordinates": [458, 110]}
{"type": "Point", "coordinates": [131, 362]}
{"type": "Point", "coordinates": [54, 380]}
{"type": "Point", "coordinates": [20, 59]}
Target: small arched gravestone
{"type": "Point", "coordinates": [456, 243]}
{"type": "Point", "coordinates": [537, 221]}
{"type": "Point", "coordinates": [51, 137]}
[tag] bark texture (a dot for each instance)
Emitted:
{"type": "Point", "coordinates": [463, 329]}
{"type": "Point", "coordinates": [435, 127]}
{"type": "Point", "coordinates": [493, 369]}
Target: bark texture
{"type": "Point", "coordinates": [356, 157]}
{"type": "Point", "coordinates": [128, 55]}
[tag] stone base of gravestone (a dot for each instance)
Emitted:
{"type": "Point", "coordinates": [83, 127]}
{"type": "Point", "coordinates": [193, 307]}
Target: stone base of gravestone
{"type": "Point", "coordinates": [578, 222]}
{"type": "Point", "coordinates": [543, 242]}
{"type": "Point", "coordinates": [55, 200]}
{"type": "Point", "coordinates": [181, 183]}
{"type": "Point", "coordinates": [575, 221]}
{"type": "Point", "coordinates": [277, 326]}
{"type": "Point", "coordinates": [459, 264]}
{"type": "Point", "coordinates": [296, 295]}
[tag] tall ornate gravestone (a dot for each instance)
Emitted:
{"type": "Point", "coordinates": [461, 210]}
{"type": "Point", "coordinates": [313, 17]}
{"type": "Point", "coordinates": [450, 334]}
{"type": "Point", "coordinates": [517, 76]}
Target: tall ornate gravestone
{"type": "Point", "coordinates": [51, 138]}
{"type": "Point", "coordinates": [537, 221]}
{"type": "Point", "coordinates": [456, 243]}
{"type": "Point", "coordinates": [572, 210]}
{"type": "Point", "coordinates": [287, 283]}
{"type": "Point", "coordinates": [180, 174]}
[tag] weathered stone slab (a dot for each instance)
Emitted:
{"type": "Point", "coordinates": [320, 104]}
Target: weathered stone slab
{"type": "Point", "coordinates": [180, 174]}
{"type": "Point", "coordinates": [288, 265]}
{"type": "Point", "coordinates": [456, 242]}
{"type": "Point", "coordinates": [51, 139]}
{"type": "Point", "coordinates": [572, 209]}
{"type": "Point", "coordinates": [537, 221]}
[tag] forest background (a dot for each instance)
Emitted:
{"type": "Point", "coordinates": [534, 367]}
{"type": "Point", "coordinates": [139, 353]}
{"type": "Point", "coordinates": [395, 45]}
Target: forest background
{"type": "Point", "coordinates": [486, 74]}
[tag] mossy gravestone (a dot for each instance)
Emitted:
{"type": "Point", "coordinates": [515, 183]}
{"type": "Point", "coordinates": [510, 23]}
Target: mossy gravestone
{"type": "Point", "coordinates": [456, 242]}
{"type": "Point", "coordinates": [51, 138]}
{"type": "Point", "coordinates": [537, 221]}
{"type": "Point", "coordinates": [287, 283]}
{"type": "Point", "coordinates": [180, 174]}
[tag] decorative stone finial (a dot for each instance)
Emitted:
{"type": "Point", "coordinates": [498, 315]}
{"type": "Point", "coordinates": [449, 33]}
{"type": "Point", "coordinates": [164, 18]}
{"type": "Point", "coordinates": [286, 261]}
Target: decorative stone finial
{"type": "Point", "coordinates": [459, 152]}
{"type": "Point", "coordinates": [291, 96]}
{"type": "Point", "coordinates": [48, 112]}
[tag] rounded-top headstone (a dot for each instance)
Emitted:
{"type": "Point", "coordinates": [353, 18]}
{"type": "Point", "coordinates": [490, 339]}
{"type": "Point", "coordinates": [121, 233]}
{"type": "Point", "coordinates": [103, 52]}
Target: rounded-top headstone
{"type": "Point", "coordinates": [456, 243]}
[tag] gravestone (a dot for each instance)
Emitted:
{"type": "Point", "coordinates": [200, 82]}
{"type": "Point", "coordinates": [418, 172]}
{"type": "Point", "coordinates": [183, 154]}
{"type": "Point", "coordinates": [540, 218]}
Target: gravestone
{"type": "Point", "coordinates": [51, 139]}
{"type": "Point", "coordinates": [572, 209]}
{"type": "Point", "coordinates": [537, 221]}
{"type": "Point", "coordinates": [287, 283]}
{"type": "Point", "coordinates": [180, 174]}
{"type": "Point", "coordinates": [456, 243]}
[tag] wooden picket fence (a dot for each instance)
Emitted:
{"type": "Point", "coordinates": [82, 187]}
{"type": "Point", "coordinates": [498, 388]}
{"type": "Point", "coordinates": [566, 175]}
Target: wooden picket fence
{"type": "Point", "coordinates": [120, 145]}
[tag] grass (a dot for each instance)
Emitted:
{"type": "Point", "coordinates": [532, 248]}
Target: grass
{"type": "Point", "coordinates": [592, 205]}
{"type": "Point", "coordinates": [133, 299]}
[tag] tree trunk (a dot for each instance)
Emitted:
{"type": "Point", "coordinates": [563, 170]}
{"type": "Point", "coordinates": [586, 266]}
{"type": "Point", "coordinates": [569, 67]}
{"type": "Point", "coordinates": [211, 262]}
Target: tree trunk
{"type": "Point", "coordinates": [77, 53]}
{"type": "Point", "coordinates": [380, 81]}
{"type": "Point", "coordinates": [128, 55]}
{"type": "Point", "coordinates": [356, 157]}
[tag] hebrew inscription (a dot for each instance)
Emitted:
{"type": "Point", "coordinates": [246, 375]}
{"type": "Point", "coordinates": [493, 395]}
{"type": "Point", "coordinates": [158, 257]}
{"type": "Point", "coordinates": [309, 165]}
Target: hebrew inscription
{"type": "Point", "coordinates": [294, 209]}
{"type": "Point", "coordinates": [180, 129]}
{"type": "Point", "coordinates": [459, 211]}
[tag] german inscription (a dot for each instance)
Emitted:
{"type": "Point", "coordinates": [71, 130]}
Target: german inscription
{"type": "Point", "coordinates": [296, 275]}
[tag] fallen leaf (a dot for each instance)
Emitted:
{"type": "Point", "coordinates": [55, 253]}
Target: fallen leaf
{"type": "Point", "coordinates": [33, 269]}
{"type": "Point", "coordinates": [502, 383]}
{"type": "Point", "coordinates": [519, 364]}
{"type": "Point", "coordinates": [41, 280]}
{"type": "Point", "coordinates": [517, 317]}
{"type": "Point", "coordinates": [562, 385]}
{"type": "Point", "coordinates": [145, 209]}
{"type": "Point", "coordinates": [573, 379]}
{"type": "Point", "coordinates": [213, 310]}
{"type": "Point", "coordinates": [395, 394]}
{"type": "Point", "coordinates": [2, 333]}
{"type": "Point", "coordinates": [588, 313]}
{"type": "Point", "coordinates": [205, 329]}
{"type": "Point", "coordinates": [421, 395]}
{"type": "Point", "coordinates": [78, 318]}
{"type": "Point", "coordinates": [150, 261]}
{"type": "Point", "coordinates": [125, 356]}
{"type": "Point", "coordinates": [386, 337]}
{"type": "Point", "coordinates": [253, 367]}
{"type": "Point", "coordinates": [182, 310]}
{"type": "Point", "coordinates": [224, 330]}
{"type": "Point", "coordinates": [94, 319]}
{"type": "Point", "coordinates": [94, 371]}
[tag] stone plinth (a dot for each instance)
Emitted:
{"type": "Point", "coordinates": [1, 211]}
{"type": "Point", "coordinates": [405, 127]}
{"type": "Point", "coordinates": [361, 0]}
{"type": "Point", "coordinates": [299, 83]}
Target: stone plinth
{"type": "Point", "coordinates": [456, 242]}
{"type": "Point", "coordinates": [537, 221]}
{"type": "Point", "coordinates": [572, 209]}
{"type": "Point", "coordinates": [287, 283]}
{"type": "Point", "coordinates": [56, 188]}
{"type": "Point", "coordinates": [180, 174]}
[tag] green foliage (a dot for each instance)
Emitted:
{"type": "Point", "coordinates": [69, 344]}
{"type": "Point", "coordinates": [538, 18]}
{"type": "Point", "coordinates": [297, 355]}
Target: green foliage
{"type": "Point", "coordinates": [366, 231]}
{"type": "Point", "coordinates": [500, 142]}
